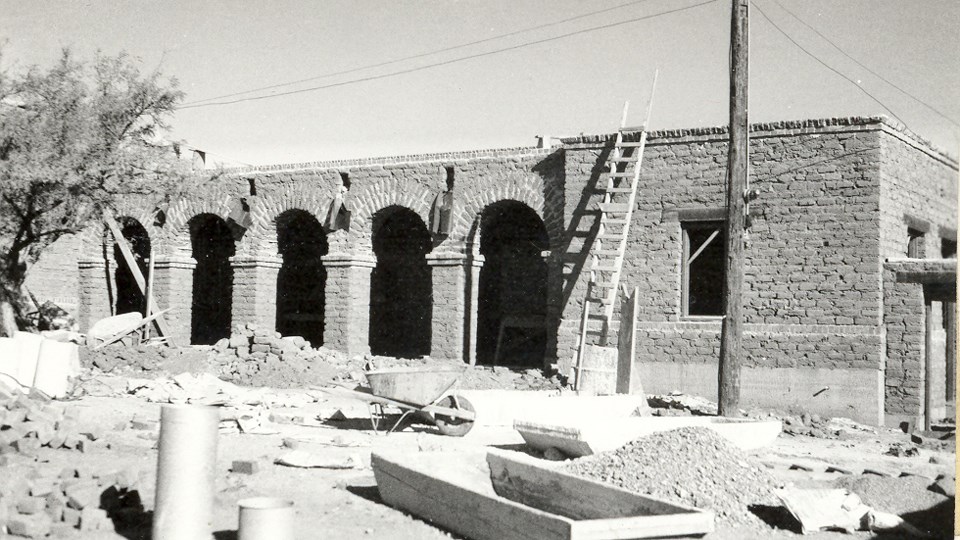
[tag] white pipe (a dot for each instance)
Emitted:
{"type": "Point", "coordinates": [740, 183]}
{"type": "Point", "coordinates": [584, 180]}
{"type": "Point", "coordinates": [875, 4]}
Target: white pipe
{"type": "Point", "coordinates": [186, 473]}
{"type": "Point", "coordinates": [265, 518]}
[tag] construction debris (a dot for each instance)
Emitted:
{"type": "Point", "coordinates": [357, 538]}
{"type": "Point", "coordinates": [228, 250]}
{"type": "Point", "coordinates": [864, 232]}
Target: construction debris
{"type": "Point", "coordinates": [838, 509]}
{"type": "Point", "coordinates": [306, 460]}
{"type": "Point", "coordinates": [693, 466]}
{"type": "Point", "coordinates": [29, 422]}
{"type": "Point", "coordinates": [38, 502]}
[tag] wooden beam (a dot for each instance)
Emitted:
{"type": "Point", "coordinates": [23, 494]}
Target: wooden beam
{"type": "Point", "coordinates": [702, 247]}
{"type": "Point", "coordinates": [731, 336]}
{"type": "Point", "coordinates": [928, 363]}
{"type": "Point", "coordinates": [119, 335]}
{"type": "Point", "coordinates": [138, 275]}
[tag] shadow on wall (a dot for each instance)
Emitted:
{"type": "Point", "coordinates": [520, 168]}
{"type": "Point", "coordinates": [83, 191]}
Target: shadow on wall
{"type": "Point", "coordinates": [401, 303]}
{"type": "Point", "coordinates": [513, 286]}
{"type": "Point", "coordinates": [213, 245]}
{"type": "Point", "coordinates": [301, 241]}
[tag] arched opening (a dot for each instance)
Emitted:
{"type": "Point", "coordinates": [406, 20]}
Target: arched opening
{"type": "Point", "coordinates": [212, 243]}
{"type": "Point", "coordinates": [301, 242]}
{"type": "Point", "coordinates": [129, 297]}
{"type": "Point", "coordinates": [401, 308]}
{"type": "Point", "coordinates": [512, 296]}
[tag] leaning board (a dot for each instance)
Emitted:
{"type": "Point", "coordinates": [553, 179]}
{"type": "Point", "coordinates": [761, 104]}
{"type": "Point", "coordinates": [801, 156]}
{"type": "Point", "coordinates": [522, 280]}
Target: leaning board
{"type": "Point", "coordinates": [455, 491]}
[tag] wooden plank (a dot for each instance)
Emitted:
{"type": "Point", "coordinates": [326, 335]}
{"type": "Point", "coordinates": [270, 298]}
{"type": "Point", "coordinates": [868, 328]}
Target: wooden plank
{"type": "Point", "coordinates": [598, 510]}
{"type": "Point", "coordinates": [137, 275]}
{"type": "Point", "coordinates": [148, 295]}
{"type": "Point", "coordinates": [459, 507]}
{"type": "Point", "coordinates": [119, 335]}
{"type": "Point", "coordinates": [628, 374]}
{"type": "Point", "coordinates": [616, 208]}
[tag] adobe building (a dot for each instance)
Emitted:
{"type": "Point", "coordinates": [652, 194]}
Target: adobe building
{"type": "Point", "coordinates": [483, 257]}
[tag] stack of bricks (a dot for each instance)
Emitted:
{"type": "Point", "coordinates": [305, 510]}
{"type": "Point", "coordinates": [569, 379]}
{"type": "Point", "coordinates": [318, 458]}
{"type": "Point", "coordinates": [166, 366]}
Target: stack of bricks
{"type": "Point", "coordinates": [250, 348]}
{"type": "Point", "coordinates": [62, 506]}
{"type": "Point", "coordinates": [30, 422]}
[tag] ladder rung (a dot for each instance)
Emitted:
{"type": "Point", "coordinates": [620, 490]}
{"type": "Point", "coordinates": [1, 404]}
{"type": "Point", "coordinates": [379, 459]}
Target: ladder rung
{"type": "Point", "coordinates": [635, 144]}
{"type": "Point", "coordinates": [613, 221]}
{"type": "Point", "coordinates": [632, 128]}
{"type": "Point", "coordinates": [617, 208]}
{"type": "Point", "coordinates": [628, 159]}
{"type": "Point", "coordinates": [614, 252]}
{"type": "Point", "coordinates": [624, 174]}
{"type": "Point", "coordinates": [605, 300]}
{"type": "Point", "coordinates": [618, 190]}
{"type": "Point", "coordinates": [596, 317]}
{"type": "Point", "coordinates": [612, 236]}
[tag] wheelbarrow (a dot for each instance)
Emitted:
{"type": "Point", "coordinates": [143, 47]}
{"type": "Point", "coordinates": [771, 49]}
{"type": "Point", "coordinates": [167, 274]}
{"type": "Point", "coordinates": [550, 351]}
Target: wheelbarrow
{"type": "Point", "coordinates": [415, 390]}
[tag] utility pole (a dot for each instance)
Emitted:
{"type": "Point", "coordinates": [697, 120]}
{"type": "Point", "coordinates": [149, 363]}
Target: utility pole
{"type": "Point", "coordinates": [731, 336]}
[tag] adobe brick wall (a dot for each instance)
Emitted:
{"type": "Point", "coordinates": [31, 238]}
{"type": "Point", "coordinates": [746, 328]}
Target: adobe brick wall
{"type": "Point", "coordinates": [918, 190]}
{"type": "Point", "coordinates": [812, 268]}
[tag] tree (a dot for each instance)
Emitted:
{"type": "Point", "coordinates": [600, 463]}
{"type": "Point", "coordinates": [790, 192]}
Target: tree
{"type": "Point", "coordinates": [76, 139]}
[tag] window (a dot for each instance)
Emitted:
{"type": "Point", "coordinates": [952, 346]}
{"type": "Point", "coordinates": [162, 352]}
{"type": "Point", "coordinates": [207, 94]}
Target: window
{"type": "Point", "coordinates": [704, 246]}
{"type": "Point", "coordinates": [948, 248]}
{"type": "Point", "coordinates": [914, 243]}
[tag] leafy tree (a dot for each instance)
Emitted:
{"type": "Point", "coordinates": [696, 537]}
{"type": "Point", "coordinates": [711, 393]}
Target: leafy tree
{"type": "Point", "coordinates": [75, 139]}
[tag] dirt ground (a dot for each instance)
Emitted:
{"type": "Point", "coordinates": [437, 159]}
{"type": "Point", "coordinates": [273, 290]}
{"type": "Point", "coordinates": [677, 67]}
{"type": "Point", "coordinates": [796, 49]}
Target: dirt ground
{"type": "Point", "coordinates": [346, 504]}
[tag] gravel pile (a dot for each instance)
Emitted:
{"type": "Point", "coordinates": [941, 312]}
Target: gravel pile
{"type": "Point", "coordinates": [692, 466]}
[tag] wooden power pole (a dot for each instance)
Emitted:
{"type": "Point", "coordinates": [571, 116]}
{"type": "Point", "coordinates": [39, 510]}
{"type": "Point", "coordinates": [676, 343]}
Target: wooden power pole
{"type": "Point", "coordinates": [731, 337]}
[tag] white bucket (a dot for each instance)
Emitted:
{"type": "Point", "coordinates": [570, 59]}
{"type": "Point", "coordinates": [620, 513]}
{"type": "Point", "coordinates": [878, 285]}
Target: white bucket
{"type": "Point", "coordinates": [265, 518]}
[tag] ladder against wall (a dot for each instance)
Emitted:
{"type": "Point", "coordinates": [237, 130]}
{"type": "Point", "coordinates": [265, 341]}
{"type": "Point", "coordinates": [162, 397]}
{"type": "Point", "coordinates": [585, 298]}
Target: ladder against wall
{"type": "Point", "coordinates": [596, 367]}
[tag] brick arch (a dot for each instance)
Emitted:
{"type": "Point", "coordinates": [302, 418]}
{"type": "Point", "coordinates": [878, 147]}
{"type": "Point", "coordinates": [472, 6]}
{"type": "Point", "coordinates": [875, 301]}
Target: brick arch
{"type": "Point", "coordinates": [262, 236]}
{"type": "Point", "coordinates": [528, 191]}
{"type": "Point", "coordinates": [94, 237]}
{"type": "Point", "coordinates": [177, 237]}
{"type": "Point", "coordinates": [383, 194]}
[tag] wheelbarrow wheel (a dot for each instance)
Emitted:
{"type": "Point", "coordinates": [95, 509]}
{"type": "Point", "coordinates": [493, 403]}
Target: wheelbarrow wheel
{"type": "Point", "coordinates": [448, 425]}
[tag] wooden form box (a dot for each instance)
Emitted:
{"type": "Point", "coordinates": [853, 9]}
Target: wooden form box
{"type": "Point", "coordinates": [503, 496]}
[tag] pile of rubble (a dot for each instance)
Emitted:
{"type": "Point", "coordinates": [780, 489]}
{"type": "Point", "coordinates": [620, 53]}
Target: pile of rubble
{"type": "Point", "coordinates": [692, 466]}
{"type": "Point", "coordinates": [29, 422]}
{"type": "Point", "coordinates": [36, 504]}
{"type": "Point", "coordinates": [261, 357]}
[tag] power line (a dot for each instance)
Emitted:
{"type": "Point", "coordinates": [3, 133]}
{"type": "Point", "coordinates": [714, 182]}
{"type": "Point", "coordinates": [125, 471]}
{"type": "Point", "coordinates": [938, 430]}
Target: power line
{"type": "Point", "coordinates": [824, 64]}
{"type": "Point", "coordinates": [452, 61]}
{"type": "Point", "coordinates": [874, 73]}
{"type": "Point", "coordinates": [421, 55]}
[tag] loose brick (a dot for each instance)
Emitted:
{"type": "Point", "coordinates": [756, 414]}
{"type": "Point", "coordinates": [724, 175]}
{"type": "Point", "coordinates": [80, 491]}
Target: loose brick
{"type": "Point", "coordinates": [245, 467]}
{"type": "Point", "coordinates": [33, 526]}
{"type": "Point", "coordinates": [31, 505]}
{"type": "Point", "coordinates": [82, 495]}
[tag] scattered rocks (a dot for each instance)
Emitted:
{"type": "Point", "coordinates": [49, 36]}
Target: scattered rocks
{"type": "Point", "coordinates": [677, 401]}
{"type": "Point", "coordinates": [252, 356]}
{"type": "Point", "coordinates": [30, 421]}
{"type": "Point", "coordinates": [33, 505]}
{"type": "Point", "coordinates": [902, 450]}
{"type": "Point", "coordinates": [692, 466]}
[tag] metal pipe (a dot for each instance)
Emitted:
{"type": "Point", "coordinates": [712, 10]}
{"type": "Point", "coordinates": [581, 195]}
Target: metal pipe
{"type": "Point", "coordinates": [186, 473]}
{"type": "Point", "coordinates": [265, 518]}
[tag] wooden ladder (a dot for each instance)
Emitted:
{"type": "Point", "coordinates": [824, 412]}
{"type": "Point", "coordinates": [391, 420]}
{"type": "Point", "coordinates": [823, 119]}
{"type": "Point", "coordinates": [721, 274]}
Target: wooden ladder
{"type": "Point", "coordinates": [619, 186]}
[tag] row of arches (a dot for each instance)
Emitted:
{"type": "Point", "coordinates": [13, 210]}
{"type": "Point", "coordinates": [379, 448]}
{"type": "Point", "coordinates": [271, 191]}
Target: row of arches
{"type": "Point", "coordinates": [512, 282]}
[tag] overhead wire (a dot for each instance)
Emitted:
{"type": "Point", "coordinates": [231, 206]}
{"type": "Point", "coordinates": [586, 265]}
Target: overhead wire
{"type": "Point", "coordinates": [828, 66]}
{"type": "Point", "coordinates": [421, 55]}
{"type": "Point", "coordinates": [867, 68]}
{"type": "Point", "coordinates": [451, 61]}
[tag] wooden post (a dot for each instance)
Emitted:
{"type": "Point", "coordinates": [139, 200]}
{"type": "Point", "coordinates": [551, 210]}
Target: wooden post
{"type": "Point", "coordinates": [950, 315]}
{"type": "Point", "coordinates": [731, 338]}
{"type": "Point", "coordinates": [148, 294]}
{"type": "Point", "coordinates": [928, 365]}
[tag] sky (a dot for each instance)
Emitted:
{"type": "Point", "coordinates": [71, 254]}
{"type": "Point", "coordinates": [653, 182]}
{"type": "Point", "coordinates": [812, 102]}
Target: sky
{"type": "Point", "coordinates": [543, 79]}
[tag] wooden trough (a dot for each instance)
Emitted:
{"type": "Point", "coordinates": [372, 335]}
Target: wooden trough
{"type": "Point", "coordinates": [505, 496]}
{"type": "Point", "coordinates": [578, 438]}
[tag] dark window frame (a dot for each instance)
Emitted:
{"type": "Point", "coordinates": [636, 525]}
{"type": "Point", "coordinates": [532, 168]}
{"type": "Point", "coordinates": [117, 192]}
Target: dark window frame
{"type": "Point", "coordinates": [718, 234]}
